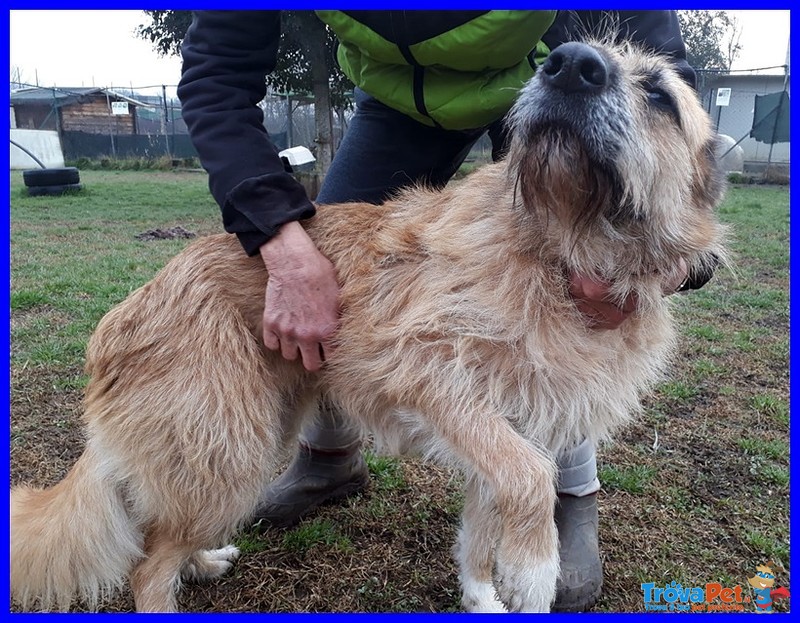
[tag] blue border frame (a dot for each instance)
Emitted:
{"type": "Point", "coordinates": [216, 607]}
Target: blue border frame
{"type": "Point", "coordinates": [794, 291]}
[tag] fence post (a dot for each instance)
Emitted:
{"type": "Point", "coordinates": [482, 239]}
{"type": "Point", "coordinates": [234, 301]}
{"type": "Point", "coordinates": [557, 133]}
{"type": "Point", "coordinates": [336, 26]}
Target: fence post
{"type": "Point", "coordinates": [111, 127]}
{"type": "Point", "coordinates": [172, 121]}
{"type": "Point", "coordinates": [289, 122]}
{"type": "Point", "coordinates": [164, 120]}
{"type": "Point", "coordinates": [55, 113]}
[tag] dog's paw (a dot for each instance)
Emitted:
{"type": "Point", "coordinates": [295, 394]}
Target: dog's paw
{"type": "Point", "coordinates": [209, 564]}
{"type": "Point", "coordinates": [528, 588]}
{"type": "Point", "coordinates": [480, 597]}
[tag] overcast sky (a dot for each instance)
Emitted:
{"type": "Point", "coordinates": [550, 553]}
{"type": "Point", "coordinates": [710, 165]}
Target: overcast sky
{"type": "Point", "coordinates": [86, 48]}
{"type": "Point", "coordinates": [99, 48]}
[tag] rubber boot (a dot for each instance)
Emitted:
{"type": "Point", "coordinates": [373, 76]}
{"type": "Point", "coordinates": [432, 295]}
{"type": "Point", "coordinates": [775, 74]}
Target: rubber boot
{"type": "Point", "coordinates": [581, 577]}
{"type": "Point", "coordinates": [328, 466]}
{"type": "Point", "coordinates": [313, 478]}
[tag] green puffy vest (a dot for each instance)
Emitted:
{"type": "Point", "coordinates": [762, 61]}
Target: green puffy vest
{"type": "Point", "coordinates": [454, 69]}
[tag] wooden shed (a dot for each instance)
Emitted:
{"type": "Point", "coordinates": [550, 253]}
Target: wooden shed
{"type": "Point", "coordinates": [80, 109]}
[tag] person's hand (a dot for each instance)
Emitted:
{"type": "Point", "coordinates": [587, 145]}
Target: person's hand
{"type": "Point", "coordinates": [301, 305]}
{"type": "Point", "coordinates": [592, 299]}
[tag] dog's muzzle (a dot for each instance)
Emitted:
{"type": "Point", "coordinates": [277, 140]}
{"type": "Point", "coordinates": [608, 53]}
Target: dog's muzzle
{"type": "Point", "coordinates": [575, 93]}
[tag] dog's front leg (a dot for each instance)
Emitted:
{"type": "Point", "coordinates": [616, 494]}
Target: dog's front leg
{"type": "Point", "coordinates": [521, 480]}
{"type": "Point", "coordinates": [526, 560]}
{"type": "Point", "coordinates": [477, 540]}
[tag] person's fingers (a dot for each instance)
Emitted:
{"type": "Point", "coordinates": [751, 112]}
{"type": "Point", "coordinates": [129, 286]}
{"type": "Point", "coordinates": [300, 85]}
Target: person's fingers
{"type": "Point", "coordinates": [312, 356]}
{"type": "Point", "coordinates": [289, 349]}
{"type": "Point", "coordinates": [271, 340]}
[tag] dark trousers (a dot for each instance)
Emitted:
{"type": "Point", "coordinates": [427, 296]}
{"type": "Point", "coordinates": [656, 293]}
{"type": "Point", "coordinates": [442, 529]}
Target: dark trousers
{"type": "Point", "coordinates": [384, 150]}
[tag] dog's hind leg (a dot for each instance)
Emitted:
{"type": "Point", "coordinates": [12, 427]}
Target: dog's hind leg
{"type": "Point", "coordinates": [477, 539]}
{"type": "Point", "coordinates": [156, 579]}
{"type": "Point", "coordinates": [209, 564]}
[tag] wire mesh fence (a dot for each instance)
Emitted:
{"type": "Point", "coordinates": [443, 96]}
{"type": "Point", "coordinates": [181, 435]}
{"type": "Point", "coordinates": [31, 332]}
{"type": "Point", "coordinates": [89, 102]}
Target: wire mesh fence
{"type": "Point", "coordinates": [751, 108]}
{"type": "Point", "coordinates": [146, 121]}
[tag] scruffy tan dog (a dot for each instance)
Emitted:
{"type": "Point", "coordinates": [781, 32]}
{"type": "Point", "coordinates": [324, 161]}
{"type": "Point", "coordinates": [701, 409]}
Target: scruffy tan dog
{"type": "Point", "coordinates": [458, 338]}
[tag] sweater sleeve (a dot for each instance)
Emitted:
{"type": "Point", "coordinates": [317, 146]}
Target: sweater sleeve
{"type": "Point", "coordinates": [226, 58]}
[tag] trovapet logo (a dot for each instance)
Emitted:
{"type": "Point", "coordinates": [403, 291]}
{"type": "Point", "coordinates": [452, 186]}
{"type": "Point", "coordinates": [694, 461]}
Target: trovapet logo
{"type": "Point", "coordinates": [714, 597]}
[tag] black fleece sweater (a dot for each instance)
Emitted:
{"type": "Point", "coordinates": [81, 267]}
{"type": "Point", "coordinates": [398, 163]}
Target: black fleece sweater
{"type": "Point", "coordinates": [226, 56]}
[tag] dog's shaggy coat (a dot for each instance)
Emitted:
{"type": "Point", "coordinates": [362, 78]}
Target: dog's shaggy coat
{"type": "Point", "coordinates": [457, 338]}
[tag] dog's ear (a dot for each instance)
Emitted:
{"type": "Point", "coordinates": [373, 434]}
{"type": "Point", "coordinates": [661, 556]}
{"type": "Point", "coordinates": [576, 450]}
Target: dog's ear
{"type": "Point", "coordinates": [709, 183]}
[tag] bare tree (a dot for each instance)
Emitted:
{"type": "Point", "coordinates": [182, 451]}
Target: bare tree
{"type": "Point", "coordinates": [711, 37]}
{"type": "Point", "coordinates": [305, 65]}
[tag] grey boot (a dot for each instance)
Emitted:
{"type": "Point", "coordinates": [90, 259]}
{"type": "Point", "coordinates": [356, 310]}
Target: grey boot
{"type": "Point", "coordinates": [581, 570]}
{"type": "Point", "coordinates": [313, 478]}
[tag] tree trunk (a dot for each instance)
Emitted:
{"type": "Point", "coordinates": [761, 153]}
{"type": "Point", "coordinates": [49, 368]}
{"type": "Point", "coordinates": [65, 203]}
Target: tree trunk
{"type": "Point", "coordinates": [316, 54]}
{"type": "Point", "coordinates": [322, 119]}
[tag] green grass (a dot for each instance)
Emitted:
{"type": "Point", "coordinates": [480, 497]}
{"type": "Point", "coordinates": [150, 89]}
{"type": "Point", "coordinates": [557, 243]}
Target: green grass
{"type": "Point", "coordinates": [387, 471]}
{"type": "Point", "coordinates": [775, 449]}
{"type": "Point", "coordinates": [769, 548]}
{"type": "Point", "coordinates": [769, 460]}
{"type": "Point", "coordinates": [707, 368]}
{"type": "Point", "coordinates": [316, 532]}
{"type": "Point", "coordinates": [774, 475]}
{"type": "Point", "coordinates": [386, 478]}
{"type": "Point", "coordinates": [706, 332]}
{"type": "Point", "coordinates": [678, 390]}
{"type": "Point", "coordinates": [633, 479]}
{"type": "Point", "coordinates": [251, 541]}
{"type": "Point", "coordinates": [307, 535]}
{"type": "Point", "coordinates": [75, 256]}
{"type": "Point", "coordinates": [767, 405]}
{"type": "Point", "coordinates": [27, 299]}
{"type": "Point", "coordinates": [711, 502]}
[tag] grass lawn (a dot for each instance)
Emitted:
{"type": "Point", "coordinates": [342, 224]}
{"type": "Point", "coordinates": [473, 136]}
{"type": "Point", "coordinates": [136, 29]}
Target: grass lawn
{"type": "Point", "coordinates": [696, 491]}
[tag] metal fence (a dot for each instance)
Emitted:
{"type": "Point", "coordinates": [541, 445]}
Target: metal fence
{"type": "Point", "coordinates": [158, 129]}
{"type": "Point", "coordinates": [155, 127]}
{"type": "Point", "coordinates": [733, 100]}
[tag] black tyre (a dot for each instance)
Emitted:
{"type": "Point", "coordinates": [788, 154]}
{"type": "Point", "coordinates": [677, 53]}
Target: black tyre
{"type": "Point", "coordinates": [51, 177]}
{"type": "Point", "coordinates": [57, 189]}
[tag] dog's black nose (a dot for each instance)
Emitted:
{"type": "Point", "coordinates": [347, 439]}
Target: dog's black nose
{"type": "Point", "coordinates": [575, 67]}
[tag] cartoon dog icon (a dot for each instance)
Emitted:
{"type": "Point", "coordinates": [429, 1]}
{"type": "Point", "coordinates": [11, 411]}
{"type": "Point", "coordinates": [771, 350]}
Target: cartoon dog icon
{"type": "Point", "coordinates": [763, 582]}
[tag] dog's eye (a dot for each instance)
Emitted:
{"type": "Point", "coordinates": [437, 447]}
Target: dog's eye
{"type": "Point", "coordinates": [660, 98]}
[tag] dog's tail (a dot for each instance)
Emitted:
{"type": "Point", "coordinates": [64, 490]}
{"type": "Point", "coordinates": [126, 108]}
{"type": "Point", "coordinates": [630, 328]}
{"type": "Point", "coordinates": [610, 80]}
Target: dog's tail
{"type": "Point", "coordinates": [74, 540]}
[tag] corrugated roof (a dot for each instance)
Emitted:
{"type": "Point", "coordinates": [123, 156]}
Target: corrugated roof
{"type": "Point", "coordinates": [66, 95]}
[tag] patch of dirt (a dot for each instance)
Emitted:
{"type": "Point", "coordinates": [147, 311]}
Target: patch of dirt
{"type": "Point", "coordinates": [166, 234]}
{"type": "Point", "coordinates": [46, 434]}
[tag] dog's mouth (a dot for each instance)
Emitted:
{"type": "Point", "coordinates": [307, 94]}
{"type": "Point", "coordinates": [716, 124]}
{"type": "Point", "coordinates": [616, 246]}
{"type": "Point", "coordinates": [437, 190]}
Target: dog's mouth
{"type": "Point", "coordinates": [561, 136]}
{"type": "Point", "coordinates": [559, 168]}
{"type": "Point", "coordinates": [558, 118]}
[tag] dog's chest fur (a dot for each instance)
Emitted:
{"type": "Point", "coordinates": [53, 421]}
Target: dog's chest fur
{"type": "Point", "coordinates": [465, 295]}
